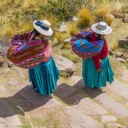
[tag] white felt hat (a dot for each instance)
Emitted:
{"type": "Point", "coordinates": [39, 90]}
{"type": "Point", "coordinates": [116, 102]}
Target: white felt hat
{"type": "Point", "coordinates": [43, 27]}
{"type": "Point", "coordinates": [101, 28]}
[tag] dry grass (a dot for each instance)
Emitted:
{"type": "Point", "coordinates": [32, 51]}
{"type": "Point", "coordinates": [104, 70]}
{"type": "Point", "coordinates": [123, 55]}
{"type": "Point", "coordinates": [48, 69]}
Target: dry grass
{"type": "Point", "coordinates": [85, 18]}
{"type": "Point", "coordinates": [119, 31]}
{"type": "Point", "coordinates": [123, 121]}
{"type": "Point", "coordinates": [31, 3]}
{"type": "Point", "coordinates": [26, 26]}
{"type": "Point", "coordinates": [114, 45]}
{"type": "Point", "coordinates": [60, 37]}
{"type": "Point", "coordinates": [109, 19]}
{"type": "Point", "coordinates": [9, 31]}
{"type": "Point", "coordinates": [101, 12]}
{"type": "Point", "coordinates": [72, 29]}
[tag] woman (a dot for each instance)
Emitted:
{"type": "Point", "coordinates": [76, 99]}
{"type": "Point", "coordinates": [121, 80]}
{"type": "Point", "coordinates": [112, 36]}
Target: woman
{"type": "Point", "coordinates": [44, 76]}
{"type": "Point", "coordinates": [97, 70]}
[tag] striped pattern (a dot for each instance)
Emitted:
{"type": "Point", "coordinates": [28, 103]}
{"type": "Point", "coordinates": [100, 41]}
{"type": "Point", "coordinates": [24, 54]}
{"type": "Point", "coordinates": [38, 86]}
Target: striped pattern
{"type": "Point", "coordinates": [25, 54]}
{"type": "Point", "coordinates": [83, 48]}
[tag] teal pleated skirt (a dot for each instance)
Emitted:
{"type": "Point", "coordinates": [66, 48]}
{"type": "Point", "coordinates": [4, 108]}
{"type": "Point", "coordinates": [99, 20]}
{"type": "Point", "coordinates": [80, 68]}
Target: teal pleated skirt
{"type": "Point", "coordinates": [44, 77]}
{"type": "Point", "coordinates": [92, 78]}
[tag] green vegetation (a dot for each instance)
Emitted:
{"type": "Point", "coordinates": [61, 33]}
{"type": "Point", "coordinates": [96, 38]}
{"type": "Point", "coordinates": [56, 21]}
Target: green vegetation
{"type": "Point", "coordinates": [17, 15]}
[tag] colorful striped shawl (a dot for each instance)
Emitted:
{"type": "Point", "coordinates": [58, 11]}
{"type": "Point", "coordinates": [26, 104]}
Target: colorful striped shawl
{"type": "Point", "coordinates": [25, 53]}
{"type": "Point", "coordinates": [82, 47]}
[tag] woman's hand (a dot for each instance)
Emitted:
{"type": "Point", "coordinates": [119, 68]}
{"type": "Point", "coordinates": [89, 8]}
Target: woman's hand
{"type": "Point", "coordinates": [98, 69]}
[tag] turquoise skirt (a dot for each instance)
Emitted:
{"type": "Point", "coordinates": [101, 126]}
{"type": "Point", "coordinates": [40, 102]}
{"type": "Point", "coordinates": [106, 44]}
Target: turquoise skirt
{"type": "Point", "coordinates": [92, 78]}
{"type": "Point", "coordinates": [44, 77]}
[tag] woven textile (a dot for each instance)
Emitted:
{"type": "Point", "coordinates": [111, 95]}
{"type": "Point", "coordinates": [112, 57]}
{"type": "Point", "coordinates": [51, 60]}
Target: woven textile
{"type": "Point", "coordinates": [83, 47]}
{"type": "Point", "coordinates": [25, 53]}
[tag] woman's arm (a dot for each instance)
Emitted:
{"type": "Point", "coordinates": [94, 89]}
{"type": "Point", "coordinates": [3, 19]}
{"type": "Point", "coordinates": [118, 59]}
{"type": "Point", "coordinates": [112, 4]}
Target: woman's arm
{"type": "Point", "coordinates": [48, 52]}
{"type": "Point", "coordinates": [96, 60]}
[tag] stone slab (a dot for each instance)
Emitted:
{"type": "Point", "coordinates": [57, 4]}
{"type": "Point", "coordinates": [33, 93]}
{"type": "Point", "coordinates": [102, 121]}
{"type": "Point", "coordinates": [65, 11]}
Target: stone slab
{"type": "Point", "coordinates": [76, 119]}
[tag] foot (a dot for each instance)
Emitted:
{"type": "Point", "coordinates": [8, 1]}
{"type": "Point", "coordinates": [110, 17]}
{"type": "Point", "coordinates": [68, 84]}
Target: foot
{"type": "Point", "coordinates": [36, 90]}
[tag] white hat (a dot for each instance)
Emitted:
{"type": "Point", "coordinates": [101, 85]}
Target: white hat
{"type": "Point", "coordinates": [101, 28]}
{"type": "Point", "coordinates": [43, 27]}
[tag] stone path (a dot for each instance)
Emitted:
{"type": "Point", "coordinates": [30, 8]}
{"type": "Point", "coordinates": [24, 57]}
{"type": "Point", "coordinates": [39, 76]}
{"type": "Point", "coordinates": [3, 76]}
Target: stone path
{"type": "Point", "coordinates": [71, 106]}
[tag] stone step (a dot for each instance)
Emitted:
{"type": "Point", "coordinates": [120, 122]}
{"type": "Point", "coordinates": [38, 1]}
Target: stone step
{"type": "Point", "coordinates": [107, 102]}
{"type": "Point", "coordinates": [89, 107]}
{"type": "Point", "coordinates": [119, 89]}
{"type": "Point", "coordinates": [8, 118]}
{"type": "Point", "coordinates": [76, 119]}
{"type": "Point", "coordinates": [73, 97]}
{"type": "Point", "coordinates": [115, 125]}
{"type": "Point", "coordinates": [64, 90]}
{"type": "Point", "coordinates": [29, 101]}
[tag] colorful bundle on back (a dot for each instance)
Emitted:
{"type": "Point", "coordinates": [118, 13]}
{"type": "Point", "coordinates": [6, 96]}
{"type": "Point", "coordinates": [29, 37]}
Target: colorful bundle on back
{"type": "Point", "coordinates": [82, 47]}
{"type": "Point", "coordinates": [25, 53]}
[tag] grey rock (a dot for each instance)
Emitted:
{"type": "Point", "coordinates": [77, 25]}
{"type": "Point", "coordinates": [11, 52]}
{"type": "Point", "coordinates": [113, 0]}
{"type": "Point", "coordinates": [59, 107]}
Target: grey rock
{"type": "Point", "coordinates": [108, 119]}
{"type": "Point", "coordinates": [125, 56]}
{"type": "Point", "coordinates": [116, 14]}
{"type": "Point", "coordinates": [115, 125]}
{"type": "Point", "coordinates": [109, 104]}
{"type": "Point", "coordinates": [76, 119]}
{"type": "Point", "coordinates": [10, 64]}
{"type": "Point", "coordinates": [63, 27]}
{"type": "Point", "coordinates": [119, 54]}
{"type": "Point", "coordinates": [67, 40]}
{"type": "Point", "coordinates": [65, 65]}
{"type": "Point", "coordinates": [111, 53]}
{"type": "Point", "coordinates": [8, 118]}
{"type": "Point", "coordinates": [121, 59]}
{"type": "Point", "coordinates": [125, 18]}
{"type": "Point", "coordinates": [112, 106]}
{"type": "Point", "coordinates": [119, 89]}
{"type": "Point", "coordinates": [122, 42]}
{"type": "Point", "coordinates": [89, 107]}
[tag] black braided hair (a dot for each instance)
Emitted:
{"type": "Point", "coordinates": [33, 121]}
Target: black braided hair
{"type": "Point", "coordinates": [35, 33]}
{"type": "Point", "coordinates": [98, 36]}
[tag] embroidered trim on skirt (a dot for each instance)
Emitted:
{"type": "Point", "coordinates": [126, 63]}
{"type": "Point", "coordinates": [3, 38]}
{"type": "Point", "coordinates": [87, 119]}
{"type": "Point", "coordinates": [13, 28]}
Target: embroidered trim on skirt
{"type": "Point", "coordinates": [92, 78]}
{"type": "Point", "coordinates": [44, 77]}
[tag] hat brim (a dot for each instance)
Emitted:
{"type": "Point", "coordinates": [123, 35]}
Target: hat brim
{"type": "Point", "coordinates": [48, 32]}
{"type": "Point", "coordinates": [108, 30]}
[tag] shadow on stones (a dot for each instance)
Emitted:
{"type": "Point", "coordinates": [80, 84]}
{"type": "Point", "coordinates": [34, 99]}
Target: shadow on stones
{"type": "Point", "coordinates": [27, 99]}
{"type": "Point", "coordinates": [68, 94]}
{"type": "Point", "coordinates": [72, 95]}
{"type": "Point", "coordinates": [91, 92]}
{"type": "Point", "coordinates": [23, 101]}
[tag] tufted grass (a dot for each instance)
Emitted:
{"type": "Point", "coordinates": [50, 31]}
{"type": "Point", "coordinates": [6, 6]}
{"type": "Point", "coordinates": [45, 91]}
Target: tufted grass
{"type": "Point", "coordinates": [85, 18]}
{"type": "Point", "coordinates": [72, 29]}
{"type": "Point", "coordinates": [101, 12]}
{"type": "Point", "coordinates": [60, 37]}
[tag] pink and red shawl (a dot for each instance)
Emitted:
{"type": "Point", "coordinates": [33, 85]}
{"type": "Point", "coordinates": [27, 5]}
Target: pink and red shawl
{"type": "Point", "coordinates": [24, 52]}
